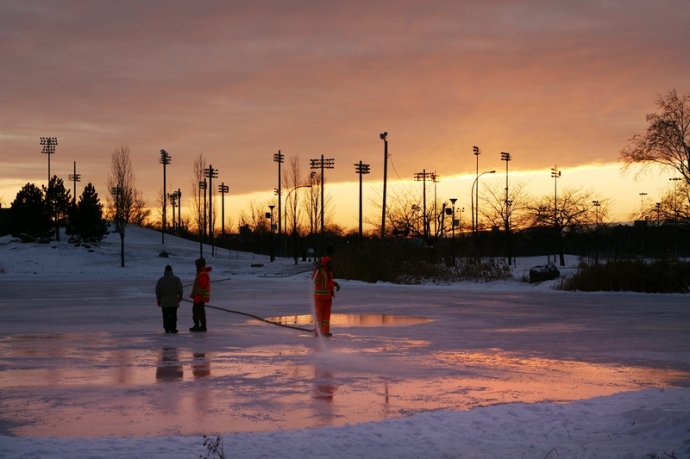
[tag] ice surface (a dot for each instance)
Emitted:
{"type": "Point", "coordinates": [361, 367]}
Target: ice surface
{"type": "Point", "coordinates": [485, 370]}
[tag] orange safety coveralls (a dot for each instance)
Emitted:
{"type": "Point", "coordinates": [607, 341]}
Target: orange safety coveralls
{"type": "Point", "coordinates": [322, 275]}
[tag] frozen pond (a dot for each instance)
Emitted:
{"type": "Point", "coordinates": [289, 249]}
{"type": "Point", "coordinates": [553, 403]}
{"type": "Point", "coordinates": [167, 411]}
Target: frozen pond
{"type": "Point", "coordinates": [91, 360]}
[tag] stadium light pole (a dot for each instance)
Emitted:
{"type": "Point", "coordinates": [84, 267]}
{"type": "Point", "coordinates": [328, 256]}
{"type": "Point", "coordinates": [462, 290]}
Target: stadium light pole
{"type": "Point", "coordinates": [75, 178]}
{"type": "Point", "coordinates": [505, 156]}
{"type": "Point", "coordinates": [361, 169]}
{"type": "Point", "coordinates": [322, 163]}
{"type": "Point", "coordinates": [49, 144]}
{"type": "Point", "coordinates": [210, 173]}
{"type": "Point", "coordinates": [475, 211]}
{"type": "Point", "coordinates": [222, 189]}
{"type": "Point", "coordinates": [421, 177]}
{"type": "Point", "coordinates": [475, 205]}
{"type": "Point", "coordinates": [279, 158]}
{"type": "Point", "coordinates": [434, 177]}
{"type": "Point", "coordinates": [173, 204]}
{"type": "Point", "coordinates": [165, 159]}
{"type": "Point", "coordinates": [384, 136]}
{"type": "Point", "coordinates": [202, 219]}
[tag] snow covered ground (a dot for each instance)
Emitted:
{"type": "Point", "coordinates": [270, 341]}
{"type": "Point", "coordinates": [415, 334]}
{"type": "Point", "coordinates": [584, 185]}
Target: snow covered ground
{"type": "Point", "coordinates": [504, 369]}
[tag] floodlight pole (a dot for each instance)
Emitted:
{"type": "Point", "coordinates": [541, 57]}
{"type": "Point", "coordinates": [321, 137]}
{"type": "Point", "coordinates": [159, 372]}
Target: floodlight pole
{"type": "Point", "coordinates": [165, 159]}
{"type": "Point", "coordinates": [49, 144]}
{"type": "Point", "coordinates": [210, 173]}
{"type": "Point", "coordinates": [222, 189]}
{"type": "Point", "coordinates": [75, 178]}
{"type": "Point", "coordinates": [422, 176]}
{"type": "Point", "coordinates": [361, 169]}
{"type": "Point", "coordinates": [202, 232]}
{"type": "Point", "coordinates": [279, 158]}
{"type": "Point", "coordinates": [505, 156]}
{"type": "Point", "coordinates": [322, 163]}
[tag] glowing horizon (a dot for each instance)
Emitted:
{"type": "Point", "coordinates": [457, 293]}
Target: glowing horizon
{"type": "Point", "coordinates": [564, 83]}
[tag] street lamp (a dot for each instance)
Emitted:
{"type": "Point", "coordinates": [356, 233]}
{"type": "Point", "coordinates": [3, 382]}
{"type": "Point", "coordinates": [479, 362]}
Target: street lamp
{"type": "Point", "coordinates": [383, 136]}
{"type": "Point", "coordinates": [475, 205]}
{"type": "Point", "coordinates": [322, 163]}
{"type": "Point", "coordinates": [452, 221]}
{"type": "Point", "coordinates": [75, 178]}
{"type": "Point", "coordinates": [422, 176]}
{"type": "Point", "coordinates": [279, 158]}
{"type": "Point", "coordinates": [222, 189]}
{"type": "Point", "coordinates": [361, 169]}
{"type": "Point", "coordinates": [165, 159]}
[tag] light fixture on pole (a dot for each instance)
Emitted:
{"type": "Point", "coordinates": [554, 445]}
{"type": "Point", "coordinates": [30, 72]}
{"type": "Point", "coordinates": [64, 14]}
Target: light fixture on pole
{"type": "Point", "coordinates": [49, 144]}
{"type": "Point", "coordinates": [74, 177]}
{"type": "Point", "coordinates": [422, 176]}
{"type": "Point", "coordinates": [322, 163]}
{"type": "Point", "coordinates": [361, 169]}
{"type": "Point", "coordinates": [597, 205]}
{"type": "Point", "coordinates": [642, 195]}
{"type": "Point", "coordinates": [505, 156]}
{"type": "Point", "coordinates": [173, 204]}
{"type": "Point", "coordinates": [210, 173]}
{"type": "Point", "coordinates": [279, 158]}
{"type": "Point", "coordinates": [202, 218]}
{"type": "Point", "coordinates": [222, 189]}
{"type": "Point", "coordinates": [475, 205]}
{"type": "Point", "coordinates": [475, 211]}
{"type": "Point", "coordinates": [165, 159]}
{"type": "Point", "coordinates": [452, 222]}
{"type": "Point", "coordinates": [434, 177]}
{"type": "Point", "coordinates": [555, 175]}
{"type": "Point", "coordinates": [384, 136]}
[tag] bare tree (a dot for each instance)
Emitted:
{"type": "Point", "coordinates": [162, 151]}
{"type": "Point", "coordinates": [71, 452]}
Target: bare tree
{"type": "Point", "coordinates": [572, 209]}
{"type": "Point", "coordinates": [122, 192]}
{"type": "Point", "coordinates": [667, 140]}
{"type": "Point", "coordinates": [673, 206]}
{"type": "Point", "coordinates": [196, 197]}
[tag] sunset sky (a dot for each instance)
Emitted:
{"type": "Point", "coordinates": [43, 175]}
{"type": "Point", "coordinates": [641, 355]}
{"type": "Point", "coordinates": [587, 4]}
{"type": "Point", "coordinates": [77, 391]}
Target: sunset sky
{"type": "Point", "coordinates": [551, 82]}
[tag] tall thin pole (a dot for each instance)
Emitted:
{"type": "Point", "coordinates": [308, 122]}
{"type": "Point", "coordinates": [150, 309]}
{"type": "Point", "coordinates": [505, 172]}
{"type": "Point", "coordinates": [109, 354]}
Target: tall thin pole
{"type": "Point", "coordinates": [505, 156]}
{"type": "Point", "coordinates": [223, 188]}
{"type": "Point", "coordinates": [210, 173]}
{"type": "Point", "coordinates": [279, 158]}
{"type": "Point", "coordinates": [165, 159]}
{"type": "Point", "coordinates": [475, 210]}
{"type": "Point", "coordinates": [383, 137]}
{"type": "Point", "coordinates": [75, 178]}
{"type": "Point", "coordinates": [323, 163]}
{"type": "Point", "coordinates": [361, 169]}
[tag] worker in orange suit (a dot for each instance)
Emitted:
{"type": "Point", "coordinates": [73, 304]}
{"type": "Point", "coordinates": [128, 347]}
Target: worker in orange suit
{"type": "Point", "coordinates": [324, 291]}
{"type": "Point", "coordinates": [201, 294]}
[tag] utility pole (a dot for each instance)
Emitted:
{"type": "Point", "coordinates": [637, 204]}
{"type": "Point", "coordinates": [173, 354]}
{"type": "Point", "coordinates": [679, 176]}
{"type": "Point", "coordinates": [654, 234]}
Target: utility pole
{"type": "Point", "coordinates": [322, 163]}
{"type": "Point", "coordinates": [383, 137]}
{"type": "Point", "coordinates": [75, 178]}
{"type": "Point", "coordinates": [361, 169]}
{"type": "Point", "coordinates": [164, 160]}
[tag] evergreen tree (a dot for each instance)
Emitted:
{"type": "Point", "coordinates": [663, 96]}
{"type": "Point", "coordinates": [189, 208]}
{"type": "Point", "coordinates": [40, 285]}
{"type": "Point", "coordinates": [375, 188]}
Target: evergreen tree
{"type": "Point", "coordinates": [59, 201]}
{"type": "Point", "coordinates": [86, 219]}
{"type": "Point", "coordinates": [29, 213]}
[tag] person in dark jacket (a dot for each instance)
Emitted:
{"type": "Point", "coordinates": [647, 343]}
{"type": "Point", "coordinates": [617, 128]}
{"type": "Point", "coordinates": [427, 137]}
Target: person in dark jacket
{"type": "Point", "coordinates": [168, 296]}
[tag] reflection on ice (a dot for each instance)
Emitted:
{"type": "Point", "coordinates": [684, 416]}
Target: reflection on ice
{"type": "Point", "coordinates": [355, 320]}
{"type": "Point", "coordinates": [96, 390]}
